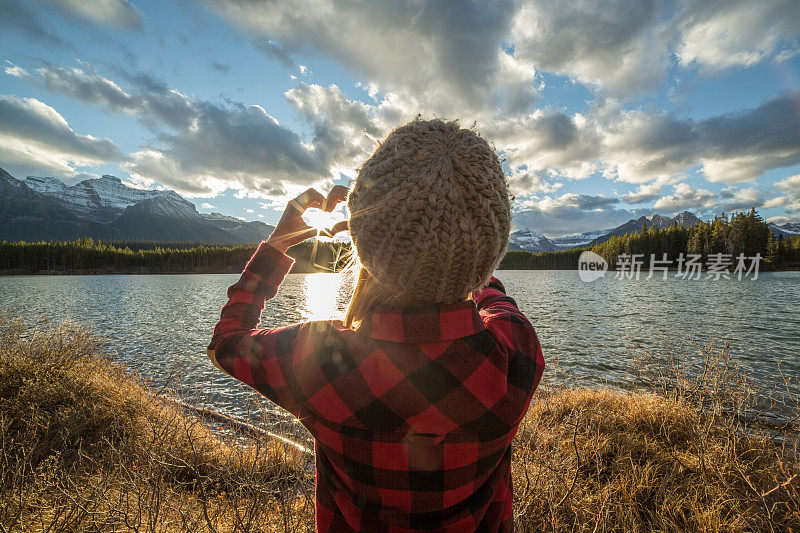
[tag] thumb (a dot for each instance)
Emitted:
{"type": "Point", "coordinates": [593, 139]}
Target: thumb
{"type": "Point", "coordinates": [339, 226]}
{"type": "Point", "coordinates": [343, 225]}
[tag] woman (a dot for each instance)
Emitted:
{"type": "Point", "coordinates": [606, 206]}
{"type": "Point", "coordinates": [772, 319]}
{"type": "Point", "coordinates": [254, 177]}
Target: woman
{"type": "Point", "coordinates": [413, 400]}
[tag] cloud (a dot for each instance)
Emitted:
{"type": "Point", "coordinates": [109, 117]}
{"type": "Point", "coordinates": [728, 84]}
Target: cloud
{"type": "Point", "coordinates": [791, 200]}
{"type": "Point", "coordinates": [155, 104]}
{"type": "Point", "coordinates": [19, 18]}
{"type": "Point", "coordinates": [685, 197]}
{"type": "Point", "coordinates": [220, 67]}
{"type": "Point", "coordinates": [792, 184]}
{"type": "Point", "coordinates": [620, 44]}
{"type": "Point", "coordinates": [206, 205]}
{"type": "Point", "coordinates": [547, 145]}
{"type": "Point", "coordinates": [16, 71]}
{"type": "Point", "coordinates": [34, 134]}
{"type": "Point", "coordinates": [571, 213]}
{"type": "Point", "coordinates": [729, 148]}
{"type": "Point", "coordinates": [706, 203]}
{"type": "Point", "coordinates": [116, 13]}
{"type": "Point", "coordinates": [447, 53]}
{"type": "Point", "coordinates": [644, 193]}
{"type": "Point", "coordinates": [431, 50]}
{"type": "Point", "coordinates": [740, 199]}
{"type": "Point", "coordinates": [720, 34]}
{"type": "Point", "coordinates": [275, 51]}
{"type": "Point", "coordinates": [200, 147]}
{"type": "Point", "coordinates": [546, 141]}
{"type": "Point", "coordinates": [229, 146]}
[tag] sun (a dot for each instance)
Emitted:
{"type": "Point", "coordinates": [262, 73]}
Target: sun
{"type": "Point", "coordinates": [319, 219]}
{"type": "Point", "coordinates": [321, 292]}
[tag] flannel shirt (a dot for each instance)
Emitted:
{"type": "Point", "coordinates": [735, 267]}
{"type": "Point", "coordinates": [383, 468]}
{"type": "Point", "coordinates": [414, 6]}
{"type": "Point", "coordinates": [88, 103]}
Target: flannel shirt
{"type": "Point", "coordinates": [413, 413]}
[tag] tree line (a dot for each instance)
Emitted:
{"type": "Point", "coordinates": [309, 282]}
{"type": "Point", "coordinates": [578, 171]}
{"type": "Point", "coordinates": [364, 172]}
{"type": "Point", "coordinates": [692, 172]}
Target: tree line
{"type": "Point", "coordinates": [742, 233]}
{"type": "Point", "coordinates": [745, 233]}
{"type": "Point", "coordinates": [89, 256]}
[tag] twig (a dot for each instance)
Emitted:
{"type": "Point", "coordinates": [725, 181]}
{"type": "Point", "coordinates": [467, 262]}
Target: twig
{"type": "Point", "coordinates": [577, 458]}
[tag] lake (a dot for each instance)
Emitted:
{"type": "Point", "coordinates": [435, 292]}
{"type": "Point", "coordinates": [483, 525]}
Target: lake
{"type": "Point", "coordinates": [161, 324]}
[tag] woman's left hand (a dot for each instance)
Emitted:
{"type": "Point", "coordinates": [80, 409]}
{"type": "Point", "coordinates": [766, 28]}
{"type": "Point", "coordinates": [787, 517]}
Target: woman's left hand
{"type": "Point", "coordinates": [292, 229]}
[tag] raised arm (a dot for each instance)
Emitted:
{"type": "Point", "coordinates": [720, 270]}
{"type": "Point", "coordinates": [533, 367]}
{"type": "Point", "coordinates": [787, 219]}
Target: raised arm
{"type": "Point", "coordinates": [511, 328]}
{"type": "Point", "coordinates": [259, 357]}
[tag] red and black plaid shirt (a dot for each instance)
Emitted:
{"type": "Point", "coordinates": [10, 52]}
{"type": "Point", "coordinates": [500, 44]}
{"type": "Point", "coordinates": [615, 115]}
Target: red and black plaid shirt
{"type": "Point", "coordinates": [413, 413]}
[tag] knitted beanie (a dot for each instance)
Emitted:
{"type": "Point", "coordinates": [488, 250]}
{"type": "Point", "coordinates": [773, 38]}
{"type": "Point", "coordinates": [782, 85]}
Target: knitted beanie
{"type": "Point", "coordinates": [430, 213]}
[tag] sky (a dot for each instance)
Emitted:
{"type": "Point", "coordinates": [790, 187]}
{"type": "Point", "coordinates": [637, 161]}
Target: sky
{"type": "Point", "coordinates": [600, 111]}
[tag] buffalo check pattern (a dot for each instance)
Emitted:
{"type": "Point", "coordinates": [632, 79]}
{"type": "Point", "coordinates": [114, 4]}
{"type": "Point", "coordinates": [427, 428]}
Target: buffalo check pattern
{"type": "Point", "coordinates": [413, 413]}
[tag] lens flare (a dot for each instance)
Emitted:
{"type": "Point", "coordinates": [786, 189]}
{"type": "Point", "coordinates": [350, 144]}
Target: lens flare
{"type": "Point", "coordinates": [322, 220]}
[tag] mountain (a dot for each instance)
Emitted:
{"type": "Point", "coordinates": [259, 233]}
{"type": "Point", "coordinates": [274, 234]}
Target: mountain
{"type": "Point", "coordinates": [582, 239]}
{"type": "Point", "coordinates": [530, 241]}
{"type": "Point", "coordinates": [101, 200]}
{"type": "Point", "coordinates": [106, 209]}
{"type": "Point", "coordinates": [27, 215]}
{"type": "Point", "coordinates": [686, 218]}
{"type": "Point", "coordinates": [787, 230]}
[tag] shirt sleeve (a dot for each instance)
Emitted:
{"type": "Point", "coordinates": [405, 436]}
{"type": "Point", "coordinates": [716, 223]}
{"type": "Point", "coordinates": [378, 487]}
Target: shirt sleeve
{"type": "Point", "coordinates": [261, 358]}
{"type": "Point", "coordinates": [511, 328]}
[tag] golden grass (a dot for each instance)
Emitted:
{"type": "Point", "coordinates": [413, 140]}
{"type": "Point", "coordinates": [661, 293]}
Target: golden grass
{"type": "Point", "coordinates": [86, 446]}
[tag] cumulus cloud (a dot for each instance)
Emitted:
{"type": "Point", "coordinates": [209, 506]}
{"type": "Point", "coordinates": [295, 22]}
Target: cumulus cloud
{"type": "Point", "coordinates": [594, 42]}
{"type": "Point", "coordinates": [200, 147]}
{"type": "Point", "coordinates": [644, 193]}
{"type": "Point", "coordinates": [729, 148]}
{"type": "Point", "coordinates": [571, 213]}
{"type": "Point", "coordinates": [706, 203]}
{"type": "Point", "coordinates": [791, 199]}
{"type": "Point", "coordinates": [684, 197]}
{"type": "Point", "coordinates": [432, 50]}
{"type": "Point", "coordinates": [206, 205]}
{"type": "Point", "coordinates": [792, 184]}
{"type": "Point", "coordinates": [732, 199]}
{"type": "Point", "coordinates": [116, 13]}
{"type": "Point", "coordinates": [33, 134]}
{"type": "Point", "coordinates": [447, 53]}
{"type": "Point", "coordinates": [720, 34]}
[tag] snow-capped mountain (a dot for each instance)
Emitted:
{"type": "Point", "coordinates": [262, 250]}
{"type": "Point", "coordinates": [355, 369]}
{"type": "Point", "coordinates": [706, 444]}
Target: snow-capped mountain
{"type": "Point", "coordinates": [100, 199]}
{"type": "Point", "coordinates": [582, 239]}
{"type": "Point", "coordinates": [530, 241]}
{"type": "Point", "coordinates": [105, 208]}
{"type": "Point", "coordinates": [787, 229]}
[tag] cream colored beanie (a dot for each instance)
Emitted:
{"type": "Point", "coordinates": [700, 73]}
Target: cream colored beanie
{"type": "Point", "coordinates": [430, 213]}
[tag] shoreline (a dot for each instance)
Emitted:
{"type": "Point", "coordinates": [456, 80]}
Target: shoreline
{"type": "Point", "coordinates": [131, 272]}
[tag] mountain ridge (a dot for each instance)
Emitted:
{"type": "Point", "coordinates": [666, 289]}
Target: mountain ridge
{"type": "Point", "coordinates": [45, 208]}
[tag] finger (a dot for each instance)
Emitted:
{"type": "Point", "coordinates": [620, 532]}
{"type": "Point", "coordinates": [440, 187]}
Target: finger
{"type": "Point", "coordinates": [330, 232]}
{"type": "Point", "coordinates": [337, 194]}
{"type": "Point", "coordinates": [309, 198]}
{"type": "Point", "coordinates": [343, 225]}
{"type": "Point", "coordinates": [298, 236]}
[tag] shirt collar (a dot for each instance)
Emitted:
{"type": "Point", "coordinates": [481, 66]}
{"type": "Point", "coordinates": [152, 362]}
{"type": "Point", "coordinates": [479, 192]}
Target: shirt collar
{"type": "Point", "coordinates": [423, 325]}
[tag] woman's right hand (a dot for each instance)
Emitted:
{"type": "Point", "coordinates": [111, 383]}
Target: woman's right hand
{"type": "Point", "coordinates": [292, 229]}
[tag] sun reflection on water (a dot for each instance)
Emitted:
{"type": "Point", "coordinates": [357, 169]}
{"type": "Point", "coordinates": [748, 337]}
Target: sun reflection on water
{"type": "Point", "coordinates": [324, 296]}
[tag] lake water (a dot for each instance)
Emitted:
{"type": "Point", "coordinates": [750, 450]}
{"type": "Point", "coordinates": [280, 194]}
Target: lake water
{"type": "Point", "coordinates": [161, 324]}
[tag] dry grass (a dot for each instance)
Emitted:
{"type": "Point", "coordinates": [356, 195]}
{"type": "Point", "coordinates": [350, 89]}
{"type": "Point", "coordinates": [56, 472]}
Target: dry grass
{"type": "Point", "coordinates": [85, 447]}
